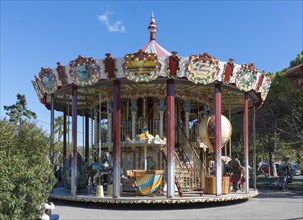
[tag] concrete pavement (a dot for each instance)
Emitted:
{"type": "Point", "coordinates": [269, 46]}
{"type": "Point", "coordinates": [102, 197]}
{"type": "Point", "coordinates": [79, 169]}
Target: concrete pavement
{"type": "Point", "coordinates": [268, 205]}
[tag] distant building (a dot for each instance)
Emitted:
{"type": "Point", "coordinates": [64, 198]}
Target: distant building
{"type": "Point", "coordinates": [295, 74]}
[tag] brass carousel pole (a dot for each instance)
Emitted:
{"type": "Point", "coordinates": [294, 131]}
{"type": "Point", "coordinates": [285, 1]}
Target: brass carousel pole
{"type": "Point", "coordinates": [117, 141]}
{"type": "Point", "coordinates": [170, 139]}
{"type": "Point", "coordinates": [74, 142]}
{"type": "Point", "coordinates": [218, 140]}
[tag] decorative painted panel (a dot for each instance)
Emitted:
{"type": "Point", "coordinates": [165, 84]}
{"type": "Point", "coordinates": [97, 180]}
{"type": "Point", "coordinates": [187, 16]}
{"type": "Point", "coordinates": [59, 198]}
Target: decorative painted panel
{"type": "Point", "coordinates": [84, 71]}
{"type": "Point", "coordinates": [141, 66]}
{"type": "Point", "coordinates": [48, 80]}
{"type": "Point", "coordinates": [246, 77]}
{"type": "Point", "coordinates": [202, 68]}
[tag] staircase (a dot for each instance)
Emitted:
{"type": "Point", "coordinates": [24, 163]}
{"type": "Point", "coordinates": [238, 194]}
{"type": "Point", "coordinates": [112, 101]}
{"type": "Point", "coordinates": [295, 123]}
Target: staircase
{"type": "Point", "coordinates": [188, 176]}
{"type": "Point", "coordinates": [176, 179]}
{"type": "Point", "coordinates": [187, 179]}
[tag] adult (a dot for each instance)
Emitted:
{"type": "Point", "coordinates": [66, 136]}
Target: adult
{"type": "Point", "coordinates": [47, 215]}
{"type": "Point", "coordinates": [236, 170]}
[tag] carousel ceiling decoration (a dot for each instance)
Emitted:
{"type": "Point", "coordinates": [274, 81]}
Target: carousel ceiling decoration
{"type": "Point", "coordinates": [152, 65]}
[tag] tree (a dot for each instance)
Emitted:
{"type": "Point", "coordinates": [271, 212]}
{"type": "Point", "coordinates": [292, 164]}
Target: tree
{"type": "Point", "coordinates": [59, 121]}
{"type": "Point", "coordinates": [297, 61]}
{"type": "Point", "coordinates": [280, 119]}
{"type": "Point", "coordinates": [25, 170]}
{"type": "Point", "coordinates": [19, 110]}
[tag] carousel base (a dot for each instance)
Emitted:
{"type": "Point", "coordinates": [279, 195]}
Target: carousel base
{"type": "Point", "coordinates": [62, 193]}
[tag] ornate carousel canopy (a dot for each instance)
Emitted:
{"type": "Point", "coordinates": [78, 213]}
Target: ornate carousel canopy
{"type": "Point", "coordinates": [145, 72]}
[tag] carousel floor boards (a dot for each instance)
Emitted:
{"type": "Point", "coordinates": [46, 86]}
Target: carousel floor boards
{"type": "Point", "coordinates": [131, 198]}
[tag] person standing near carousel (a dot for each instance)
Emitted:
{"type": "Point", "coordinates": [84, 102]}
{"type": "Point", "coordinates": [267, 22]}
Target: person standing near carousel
{"type": "Point", "coordinates": [236, 170]}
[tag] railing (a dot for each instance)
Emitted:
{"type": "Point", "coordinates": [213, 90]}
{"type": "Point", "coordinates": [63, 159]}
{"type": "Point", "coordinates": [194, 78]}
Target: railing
{"type": "Point", "coordinates": [193, 178]}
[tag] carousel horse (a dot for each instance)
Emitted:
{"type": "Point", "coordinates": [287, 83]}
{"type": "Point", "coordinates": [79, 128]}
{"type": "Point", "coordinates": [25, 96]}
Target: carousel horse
{"type": "Point", "coordinates": [81, 179]}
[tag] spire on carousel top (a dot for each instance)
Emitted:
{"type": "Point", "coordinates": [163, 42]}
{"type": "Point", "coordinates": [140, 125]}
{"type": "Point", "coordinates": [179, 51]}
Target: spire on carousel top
{"type": "Point", "coordinates": [152, 46]}
{"type": "Point", "coordinates": [152, 28]}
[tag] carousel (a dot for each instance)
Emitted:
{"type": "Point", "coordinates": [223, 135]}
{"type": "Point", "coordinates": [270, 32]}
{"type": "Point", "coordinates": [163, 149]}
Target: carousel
{"type": "Point", "coordinates": [156, 126]}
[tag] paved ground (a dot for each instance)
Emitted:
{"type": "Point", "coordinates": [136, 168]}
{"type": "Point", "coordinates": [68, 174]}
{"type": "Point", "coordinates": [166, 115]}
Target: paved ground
{"type": "Point", "coordinates": [268, 205]}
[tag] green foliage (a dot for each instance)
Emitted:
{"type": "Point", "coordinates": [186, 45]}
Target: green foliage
{"type": "Point", "coordinates": [280, 119]}
{"type": "Point", "coordinates": [25, 170]}
{"type": "Point", "coordinates": [297, 61]}
{"type": "Point", "coordinates": [59, 121]}
{"type": "Point", "coordinates": [19, 110]}
{"type": "Point", "coordinates": [279, 122]}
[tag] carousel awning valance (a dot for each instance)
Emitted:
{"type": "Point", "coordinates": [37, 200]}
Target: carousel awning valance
{"type": "Point", "coordinates": [152, 65]}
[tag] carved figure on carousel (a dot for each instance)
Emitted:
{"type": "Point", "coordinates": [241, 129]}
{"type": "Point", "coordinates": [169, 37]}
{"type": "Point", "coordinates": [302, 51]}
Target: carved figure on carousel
{"type": "Point", "coordinates": [110, 66]}
{"type": "Point", "coordinates": [173, 65]}
{"type": "Point", "coordinates": [144, 134]}
{"type": "Point", "coordinates": [228, 70]}
{"type": "Point", "coordinates": [62, 74]}
{"type": "Point", "coordinates": [260, 81]}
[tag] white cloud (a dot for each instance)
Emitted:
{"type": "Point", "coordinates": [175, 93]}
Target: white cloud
{"type": "Point", "coordinates": [110, 25]}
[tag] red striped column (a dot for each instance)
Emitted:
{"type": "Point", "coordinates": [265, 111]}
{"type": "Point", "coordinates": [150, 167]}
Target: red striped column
{"type": "Point", "coordinates": [64, 136]}
{"type": "Point", "coordinates": [52, 129]}
{"type": "Point", "coordinates": [218, 139]}
{"type": "Point", "coordinates": [74, 142]}
{"type": "Point", "coordinates": [116, 135]}
{"type": "Point", "coordinates": [86, 138]}
{"type": "Point", "coordinates": [254, 146]}
{"type": "Point", "coordinates": [246, 187]}
{"type": "Point", "coordinates": [170, 138]}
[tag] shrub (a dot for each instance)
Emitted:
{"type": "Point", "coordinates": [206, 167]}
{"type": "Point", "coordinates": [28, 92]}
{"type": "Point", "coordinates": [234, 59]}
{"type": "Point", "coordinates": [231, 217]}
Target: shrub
{"type": "Point", "coordinates": [25, 170]}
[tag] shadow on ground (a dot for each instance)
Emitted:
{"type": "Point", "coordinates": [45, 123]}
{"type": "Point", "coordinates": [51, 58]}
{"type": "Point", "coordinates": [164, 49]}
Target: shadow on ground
{"type": "Point", "coordinates": [140, 207]}
{"type": "Point", "coordinates": [295, 188]}
{"type": "Point", "coordinates": [267, 193]}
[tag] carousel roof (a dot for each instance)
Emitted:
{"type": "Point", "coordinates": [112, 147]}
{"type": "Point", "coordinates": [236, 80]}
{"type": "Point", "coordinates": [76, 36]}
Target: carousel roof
{"type": "Point", "coordinates": [145, 72]}
{"type": "Point", "coordinates": [152, 46]}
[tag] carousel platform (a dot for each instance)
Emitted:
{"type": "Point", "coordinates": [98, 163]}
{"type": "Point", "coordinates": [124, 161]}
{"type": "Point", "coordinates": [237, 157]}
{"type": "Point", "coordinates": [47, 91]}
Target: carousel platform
{"type": "Point", "coordinates": [62, 193]}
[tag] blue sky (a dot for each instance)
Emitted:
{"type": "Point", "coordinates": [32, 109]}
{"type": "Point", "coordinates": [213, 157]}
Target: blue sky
{"type": "Point", "coordinates": [40, 33]}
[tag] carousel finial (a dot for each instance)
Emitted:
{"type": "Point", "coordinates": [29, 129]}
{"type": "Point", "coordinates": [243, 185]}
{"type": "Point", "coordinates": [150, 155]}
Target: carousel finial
{"type": "Point", "coordinates": [152, 28]}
